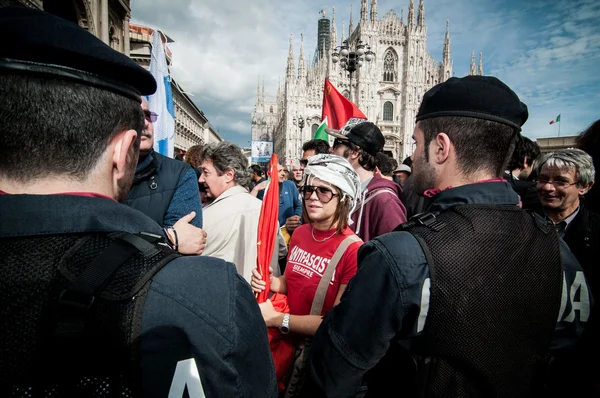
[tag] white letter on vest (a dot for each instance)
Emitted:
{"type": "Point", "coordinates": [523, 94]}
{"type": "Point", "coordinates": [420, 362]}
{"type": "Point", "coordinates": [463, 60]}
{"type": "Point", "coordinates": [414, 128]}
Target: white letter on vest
{"type": "Point", "coordinates": [583, 305]}
{"type": "Point", "coordinates": [424, 305]}
{"type": "Point", "coordinates": [186, 374]}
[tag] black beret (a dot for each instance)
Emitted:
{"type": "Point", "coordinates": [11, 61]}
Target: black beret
{"type": "Point", "coordinates": [481, 97]}
{"type": "Point", "coordinates": [41, 43]}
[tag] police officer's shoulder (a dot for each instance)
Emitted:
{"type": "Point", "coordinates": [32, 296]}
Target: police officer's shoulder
{"type": "Point", "coordinates": [204, 282]}
{"type": "Point", "coordinates": [397, 247]}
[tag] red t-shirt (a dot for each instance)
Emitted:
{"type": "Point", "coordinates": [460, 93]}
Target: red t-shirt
{"type": "Point", "coordinates": [306, 262]}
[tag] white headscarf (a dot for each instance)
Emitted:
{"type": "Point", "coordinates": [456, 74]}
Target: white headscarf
{"type": "Point", "coordinates": [336, 171]}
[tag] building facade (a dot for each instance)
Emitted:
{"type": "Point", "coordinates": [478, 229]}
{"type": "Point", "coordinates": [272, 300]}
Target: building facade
{"type": "Point", "coordinates": [388, 90]}
{"type": "Point", "coordinates": [109, 20]}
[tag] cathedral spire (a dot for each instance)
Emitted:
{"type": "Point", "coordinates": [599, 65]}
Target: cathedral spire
{"type": "Point", "coordinates": [472, 68]}
{"type": "Point", "coordinates": [301, 62]}
{"type": "Point", "coordinates": [480, 68]}
{"type": "Point", "coordinates": [373, 11]}
{"type": "Point", "coordinates": [333, 30]}
{"type": "Point", "coordinates": [262, 94]}
{"type": "Point", "coordinates": [411, 15]}
{"type": "Point", "coordinates": [258, 99]}
{"type": "Point", "coordinates": [278, 87]}
{"type": "Point", "coordinates": [343, 38]}
{"type": "Point", "coordinates": [421, 15]}
{"type": "Point", "coordinates": [291, 68]}
{"type": "Point", "coordinates": [446, 56]}
{"type": "Point", "coordinates": [364, 12]}
{"type": "Point", "coordinates": [351, 24]}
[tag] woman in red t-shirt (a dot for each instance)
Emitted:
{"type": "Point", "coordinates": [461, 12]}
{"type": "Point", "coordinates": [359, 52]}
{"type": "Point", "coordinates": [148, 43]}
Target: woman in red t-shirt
{"type": "Point", "coordinates": [329, 191]}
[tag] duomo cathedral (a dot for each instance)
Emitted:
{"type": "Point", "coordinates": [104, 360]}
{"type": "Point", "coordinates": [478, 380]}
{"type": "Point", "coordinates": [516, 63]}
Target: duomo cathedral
{"type": "Point", "coordinates": [388, 89]}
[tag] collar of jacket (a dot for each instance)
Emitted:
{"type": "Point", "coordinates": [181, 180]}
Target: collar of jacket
{"type": "Point", "coordinates": [146, 167]}
{"type": "Point", "coordinates": [494, 193]}
{"type": "Point", "coordinates": [26, 215]}
{"type": "Point", "coordinates": [234, 190]}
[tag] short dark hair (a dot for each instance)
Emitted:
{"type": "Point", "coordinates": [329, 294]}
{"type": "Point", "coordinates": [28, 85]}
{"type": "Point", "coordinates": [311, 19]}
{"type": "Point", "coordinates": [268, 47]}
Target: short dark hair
{"type": "Point", "coordinates": [319, 146]}
{"type": "Point", "coordinates": [384, 164]}
{"type": "Point", "coordinates": [524, 147]}
{"type": "Point", "coordinates": [394, 164]}
{"type": "Point", "coordinates": [258, 170]}
{"type": "Point", "coordinates": [480, 144]}
{"type": "Point", "coordinates": [407, 161]}
{"type": "Point", "coordinates": [59, 127]}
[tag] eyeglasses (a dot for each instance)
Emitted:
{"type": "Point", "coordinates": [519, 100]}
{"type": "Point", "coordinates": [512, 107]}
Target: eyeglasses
{"type": "Point", "coordinates": [150, 116]}
{"type": "Point", "coordinates": [559, 184]}
{"type": "Point", "coordinates": [323, 194]}
{"type": "Point", "coordinates": [338, 141]}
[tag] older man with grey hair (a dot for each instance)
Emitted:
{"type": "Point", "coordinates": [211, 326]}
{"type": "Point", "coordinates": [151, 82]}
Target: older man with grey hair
{"type": "Point", "coordinates": [564, 177]}
{"type": "Point", "coordinates": [231, 219]}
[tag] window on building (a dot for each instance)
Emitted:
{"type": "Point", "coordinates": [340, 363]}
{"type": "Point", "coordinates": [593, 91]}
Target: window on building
{"type": "Point", "coordinates": [313, 129]}
{"type": "Point", "coordinates": [346, 94]}
{"type": "Point", "coordinates": [388, 111]}
{"type": "Point", "coordinates": [271, 109]}
{"type": "Point", "coordinates": [390, 61]}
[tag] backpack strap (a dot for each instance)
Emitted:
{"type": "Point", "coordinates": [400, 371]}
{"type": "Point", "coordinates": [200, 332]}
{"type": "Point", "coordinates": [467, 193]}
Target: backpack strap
{"type": "Point", "coordinates": [75, 301]}
{"type": "Point", "coordinates": [317, 305]}
{"type": "Point", "coordinates": [367, 200]}
{"type": "Point", "coordinates": [428, 219]}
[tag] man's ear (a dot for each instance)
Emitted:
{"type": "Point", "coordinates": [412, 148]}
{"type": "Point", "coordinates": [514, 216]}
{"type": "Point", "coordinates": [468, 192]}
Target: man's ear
{"type": "Point", "coordinates": [584, 189]}
{"type": "Point", "coordinates": [124, 152]}
{"type": "Point", "coordinates": [229, 175]}
{"type": "Point", "coordinates": [441, 145]}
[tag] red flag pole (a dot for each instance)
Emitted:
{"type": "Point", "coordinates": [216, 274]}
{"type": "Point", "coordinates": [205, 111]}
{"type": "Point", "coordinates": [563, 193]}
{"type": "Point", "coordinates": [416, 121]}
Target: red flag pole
{"type": "Point", "coordinates": [267, 227]}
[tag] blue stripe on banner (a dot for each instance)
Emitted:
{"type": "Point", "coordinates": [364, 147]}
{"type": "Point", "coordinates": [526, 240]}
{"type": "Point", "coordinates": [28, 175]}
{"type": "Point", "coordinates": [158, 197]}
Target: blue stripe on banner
{"type": "Point", "coordinates": [163, 147]}
{"type": "Point", "coordinates": [169, 95]}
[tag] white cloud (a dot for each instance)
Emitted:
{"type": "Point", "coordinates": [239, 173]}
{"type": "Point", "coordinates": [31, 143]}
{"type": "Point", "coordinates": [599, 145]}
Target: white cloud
{"type": "Point", "coordinates": [547, 52]}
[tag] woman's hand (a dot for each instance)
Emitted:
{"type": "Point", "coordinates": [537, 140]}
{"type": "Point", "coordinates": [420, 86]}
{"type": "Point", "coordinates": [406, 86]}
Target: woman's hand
{"type": "Point", "coordinates": [258, 284]}
{"type": "Point", "coordinates": [272, 318]}
{"type": "Point", "coordinates": [256, 281]}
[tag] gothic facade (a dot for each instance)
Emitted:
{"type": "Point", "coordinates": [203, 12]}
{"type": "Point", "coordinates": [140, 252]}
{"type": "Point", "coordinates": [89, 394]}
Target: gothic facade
{"type": "Point", "coordinates": [388, 90]}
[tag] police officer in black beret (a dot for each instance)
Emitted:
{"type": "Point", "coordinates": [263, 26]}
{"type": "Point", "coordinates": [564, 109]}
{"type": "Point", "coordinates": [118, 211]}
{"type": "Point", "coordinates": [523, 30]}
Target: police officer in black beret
{"type": "Point", "coordinates": [93, 301]}
{"type": "Point", "coordinates": [440, 307]}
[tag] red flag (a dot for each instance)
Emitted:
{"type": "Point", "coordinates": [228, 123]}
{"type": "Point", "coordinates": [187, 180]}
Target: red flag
{"type": "Point", "coordinates": [268, 223]}
{"type": "Point", "coordinates": [282, 347]}
{"type": "Point", "coordinates": [337, 108]}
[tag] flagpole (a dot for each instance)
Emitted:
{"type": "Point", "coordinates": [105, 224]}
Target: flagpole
{"type": "Point", "coordinates": [559, 128]}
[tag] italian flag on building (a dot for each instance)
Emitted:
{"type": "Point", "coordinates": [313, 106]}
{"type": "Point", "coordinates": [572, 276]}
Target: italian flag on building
{"type": "Point", "coordinates": [557, 120]}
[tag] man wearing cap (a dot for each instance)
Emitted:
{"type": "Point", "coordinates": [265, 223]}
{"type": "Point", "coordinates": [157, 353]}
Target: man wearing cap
{"type": "Point", "coordinates": [402, 172]}
{"type": "Point", "coordinates": [443, 309]}
{"type": "Point", "coordinates": [93, 300]}
{"type": "Point", "coordinates": [379, 208]}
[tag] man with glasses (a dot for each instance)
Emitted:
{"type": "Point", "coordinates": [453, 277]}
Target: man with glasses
{"type": "Point", "coordinates": [379, 209]}
{"type": "Point", "coordinates": [564, 177]}
{"type": "Point", "coordinates": [166, 190]}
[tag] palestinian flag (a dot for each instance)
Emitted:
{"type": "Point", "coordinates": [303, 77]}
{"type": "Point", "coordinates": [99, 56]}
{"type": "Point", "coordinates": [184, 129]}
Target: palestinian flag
{"type": "Point", "coordinates": [557, 120]}
{"type": "Point", "coordinates": [321, 134]}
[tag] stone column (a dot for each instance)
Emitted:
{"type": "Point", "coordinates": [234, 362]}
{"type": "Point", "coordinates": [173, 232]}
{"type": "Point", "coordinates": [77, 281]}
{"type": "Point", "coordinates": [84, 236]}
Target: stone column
{"type": "Point", "coordinates": [104, 21]}
{"type": "Point", "coordinates": [126, 38]}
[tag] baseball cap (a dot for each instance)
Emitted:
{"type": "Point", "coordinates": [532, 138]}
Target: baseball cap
{"type": "Point", "coordinates": [362, 133]}
{"type": "Point", "coordinates": [403, 167]}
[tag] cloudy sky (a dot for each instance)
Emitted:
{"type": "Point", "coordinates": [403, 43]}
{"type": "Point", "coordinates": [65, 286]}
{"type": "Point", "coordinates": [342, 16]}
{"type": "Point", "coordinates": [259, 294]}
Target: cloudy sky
{"type": "Point", "coordinates": [548, 51]}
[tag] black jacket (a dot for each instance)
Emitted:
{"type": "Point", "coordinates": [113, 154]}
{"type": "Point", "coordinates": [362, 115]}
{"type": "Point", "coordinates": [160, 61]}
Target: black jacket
{"type": "Point", "coordinates": [201, 326]}
{"type": "Point", "coordinates": [156, 180]}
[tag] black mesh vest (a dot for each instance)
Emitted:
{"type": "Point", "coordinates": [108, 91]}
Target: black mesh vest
{"type": "Point", "coordinates": [496, 283]}
{"type": "Point", "coordinates": [58, 342]}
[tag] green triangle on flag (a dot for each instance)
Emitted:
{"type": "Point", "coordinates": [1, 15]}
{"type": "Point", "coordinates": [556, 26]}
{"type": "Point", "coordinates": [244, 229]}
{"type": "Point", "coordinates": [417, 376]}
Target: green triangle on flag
{"type": "Point", "coordinates": [321, 134]}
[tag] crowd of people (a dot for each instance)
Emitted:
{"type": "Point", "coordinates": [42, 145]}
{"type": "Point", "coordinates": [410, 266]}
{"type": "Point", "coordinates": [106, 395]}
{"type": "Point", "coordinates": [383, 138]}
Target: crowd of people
{"type": "Point", "coordinates": [465, 270]}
